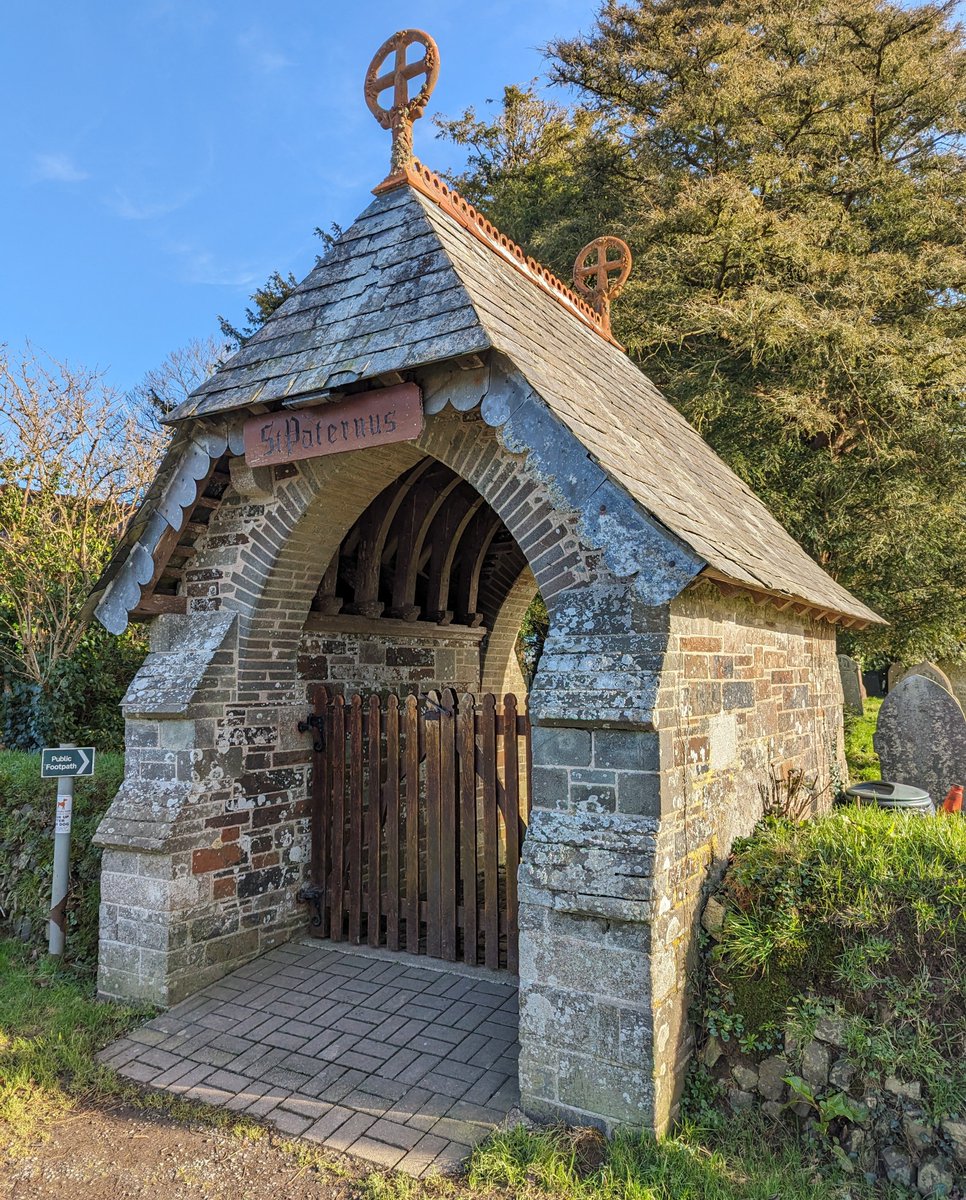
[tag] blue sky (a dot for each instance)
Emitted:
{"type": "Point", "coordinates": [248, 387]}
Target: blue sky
{"type": "Point", "coordinates": [162, 157]}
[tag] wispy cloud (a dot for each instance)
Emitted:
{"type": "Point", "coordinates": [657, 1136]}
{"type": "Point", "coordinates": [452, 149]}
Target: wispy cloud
{"type": "Point", "coordinates": [201, 266]}
{"type": "Point", "coordinates": [57, 168]}
{"type": "Point", "coordinates": [260, 54]}
{"type": "Point", "coordinates": [147, 210]}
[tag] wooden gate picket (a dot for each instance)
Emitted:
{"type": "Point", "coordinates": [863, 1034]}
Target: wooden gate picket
{"type": "Point", "coordinates": [418, 812]}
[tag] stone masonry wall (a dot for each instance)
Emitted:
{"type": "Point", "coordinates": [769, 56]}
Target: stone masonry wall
{"type": "Point", "coordinates": [352, 654]}
{"type": "Point", "coordinates": [747, 694]}
{"type": "Point", "coordinates": [627, 826]}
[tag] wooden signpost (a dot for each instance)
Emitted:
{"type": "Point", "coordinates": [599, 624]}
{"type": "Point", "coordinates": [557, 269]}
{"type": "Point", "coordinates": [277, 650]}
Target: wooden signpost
{"type": "Point", "coordinates": [374, 418]}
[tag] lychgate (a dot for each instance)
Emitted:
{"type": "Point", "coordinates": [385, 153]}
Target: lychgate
{"type": "Point", "coordinates": [353, 516]}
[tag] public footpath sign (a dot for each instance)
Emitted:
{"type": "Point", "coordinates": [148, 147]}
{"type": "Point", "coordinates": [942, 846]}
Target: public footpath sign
{"type": "Point", "coordinates": [63, 763]}
{"type": "Point", "coordinates": [66, 760]}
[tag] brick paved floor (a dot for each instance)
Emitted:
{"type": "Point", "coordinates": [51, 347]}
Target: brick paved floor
{"type": "Point", "coordinates": [402, 1061]}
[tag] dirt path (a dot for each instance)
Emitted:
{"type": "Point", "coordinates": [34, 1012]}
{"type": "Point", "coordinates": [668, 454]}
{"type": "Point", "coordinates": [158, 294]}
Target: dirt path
{"type": "Point", "coordinates": [122, 1153]}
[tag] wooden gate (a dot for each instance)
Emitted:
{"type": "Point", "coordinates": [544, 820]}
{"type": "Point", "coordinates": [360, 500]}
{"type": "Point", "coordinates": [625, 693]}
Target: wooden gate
{"type": "Point", "coordinates": [418, 811]}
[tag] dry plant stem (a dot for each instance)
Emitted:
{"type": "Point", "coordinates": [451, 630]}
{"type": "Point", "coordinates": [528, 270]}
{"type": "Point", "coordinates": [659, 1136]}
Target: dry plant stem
{"type": "Point", "coordinates": [792, 796]}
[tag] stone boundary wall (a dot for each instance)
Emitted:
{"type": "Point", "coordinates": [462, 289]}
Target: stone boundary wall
{"type": "Point", "coordinates": [888, 1135]}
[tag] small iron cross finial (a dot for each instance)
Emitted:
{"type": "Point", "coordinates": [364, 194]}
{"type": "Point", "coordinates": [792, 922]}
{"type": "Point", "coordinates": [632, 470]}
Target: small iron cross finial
{"type": "Point", "coordinates": [405, 109]}
{"type": "Point", "coordinates": [600, 272]}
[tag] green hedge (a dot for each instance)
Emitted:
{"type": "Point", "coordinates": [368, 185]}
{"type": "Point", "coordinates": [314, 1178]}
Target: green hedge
{"type": "Point", "coordinates": [27, 850]}
{"type": "Point", "coordinates": [862, 911]}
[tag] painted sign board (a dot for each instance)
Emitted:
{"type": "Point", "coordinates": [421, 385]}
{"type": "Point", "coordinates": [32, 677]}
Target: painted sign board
{"type": "Point", "coordinates": [60, 761]}
{"type": "Point", "coordinates": [374, 418]}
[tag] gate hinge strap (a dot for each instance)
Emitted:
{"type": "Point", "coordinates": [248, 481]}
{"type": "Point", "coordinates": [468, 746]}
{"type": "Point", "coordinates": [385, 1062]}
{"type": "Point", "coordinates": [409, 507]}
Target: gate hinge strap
{"type": "Point", "coordinates": [314, 721]}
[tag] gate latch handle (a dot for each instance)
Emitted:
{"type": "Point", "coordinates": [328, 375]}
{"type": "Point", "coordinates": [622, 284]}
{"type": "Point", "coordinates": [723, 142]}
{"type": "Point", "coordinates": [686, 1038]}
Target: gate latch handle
{"type": "Point", "coordinates": [312, 894]}
{"type": "Point", "coordinates": [315, 723]}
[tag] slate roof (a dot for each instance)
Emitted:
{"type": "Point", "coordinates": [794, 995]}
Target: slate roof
{"type": "Point", "coordinates": [409, 284]}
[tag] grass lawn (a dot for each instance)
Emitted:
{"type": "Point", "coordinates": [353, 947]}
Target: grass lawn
{"type": "Point", "coordinates": [51, 1028]}
{"type": "Point", "coordinates": [862, 758]}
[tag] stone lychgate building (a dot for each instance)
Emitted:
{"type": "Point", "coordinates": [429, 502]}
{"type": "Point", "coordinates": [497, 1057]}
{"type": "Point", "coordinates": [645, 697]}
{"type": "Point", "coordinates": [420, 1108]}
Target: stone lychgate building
{"type": "Point", "coordinates": [690, 656]}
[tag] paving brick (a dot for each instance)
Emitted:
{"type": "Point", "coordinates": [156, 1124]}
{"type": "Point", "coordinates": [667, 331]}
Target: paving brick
{"type": "Point", "coordinates": [289, 1122]}
{"type": "Point", "coordinates": [376, 1152]}
{"type": "Point", "coordinates": [208, 1095]}
{"type": "Point", "coordinates": [449, 1160]}
{"type": "Point", "coordinates": [444, 1085]}
{"type": "Point", "coordinates": [429, 1045]}
{"type": "Point", "coordinates": [485, 1087]}
{"type": "Point", "coordinates": [470, 1045]}
{"type": "Point", "coordinates": [399, 1061]}
{"type": "Point", "coordinates": [245, 1099]}
{"type": "Point", "coordinates": [421, 1155]}
{"type": "Point", "coordinates": [166, 1078]}
{"type": "Point", "coordinates": [406, 1032]}
{"type": "Point", "coordinates": [232, 1043]}
{"type": "Point", "coordinates": [195, 1073]}
{"type": "Point", "coordinates": [293, 1080]}
{"type": "Point", "coordinates": [299, 1029]}
{"type": "Point", "coordinates": [458, 1070]}
{"type": "Point", "coordinates": [428, 1112]}
{"type": "Point", "coordinates": [138, 1071]}
{"type": "Point", "coordinates": [324, 1079]}
{"type": "Point", "coordinates": [287, 1041]}
{"type": "Point", "coordinates": [211, 1056]}
{"type": "Point", "coordinates": [466, 1132]}
{"type": "Point", "coordinates": [361, 1062]}
{"type": "Point", "coordinates": [347, 1082]}
{"type": "Point", "coordinates": [306, 1106]}
{"type": "Point", "coordinates": [267, 1102]}
{"type": "Point", "coordinates": [489, 1053]}
{"type": "Point", "coordinates": [324, 1128]}
{"type": "Point", "coordinates": [362, 1100]}
{"type": "Point", "coordinates": [472, 1019]}
{"type": "Point", "coordinates": [120, 1053]}
{"type": "Point", "coordinates": [147, 1037]}
{"type": "Point", "coordinates": [305, 1064]}
{"type": "Point", "coordinates": [354, 1025]}
{"type": "Point", "coordinates": [229, 1080]}
{"type": "Point", "coordinates": [403, 1066]}
{"type": "Point", "coordinates": [347, 1133]}
{"type": "Point", "coordinates": [218, 1022]}
{"type": "Point", "coordinates": [463, 1110]}
{"type": "Point", "coordinates": [416, 1070]}
{"type": "Point", "coordinates": [443, 1033]}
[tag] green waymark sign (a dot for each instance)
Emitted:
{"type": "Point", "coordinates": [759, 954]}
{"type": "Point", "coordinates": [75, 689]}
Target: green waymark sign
{"type": "Point", "coordinates": [56, 763]}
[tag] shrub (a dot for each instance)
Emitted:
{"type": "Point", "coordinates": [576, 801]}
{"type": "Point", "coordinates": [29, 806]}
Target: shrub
{"type": "Point", "coordinates": [80, 704]}
{"type": "Point", "coordinates": [27, 849]}
{"type": "Point", "coordinates": [866, 910]}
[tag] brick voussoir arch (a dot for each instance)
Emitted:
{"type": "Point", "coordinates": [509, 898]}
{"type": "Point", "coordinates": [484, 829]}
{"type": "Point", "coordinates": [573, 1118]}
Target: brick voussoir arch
{"type": "Point", "coordinates": [311, 513]}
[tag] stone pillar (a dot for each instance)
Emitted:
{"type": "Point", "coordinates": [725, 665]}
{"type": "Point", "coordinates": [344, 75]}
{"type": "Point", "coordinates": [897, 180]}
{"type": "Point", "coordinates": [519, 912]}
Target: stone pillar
{"type": "Point", "coordinates": [166, 924]}
{"type": "Point", "coordinates": [586, 899]}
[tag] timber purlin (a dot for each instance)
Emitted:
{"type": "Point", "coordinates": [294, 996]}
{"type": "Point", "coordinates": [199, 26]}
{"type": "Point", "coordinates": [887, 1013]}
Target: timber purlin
{"type": "Point", "coordinates": [418, 812]}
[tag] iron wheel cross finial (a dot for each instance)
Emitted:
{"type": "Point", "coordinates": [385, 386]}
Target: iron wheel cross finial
{"type": "Point", "coordinates": [405, 109]}
{"type": "Point", "coordinates": [600, 272]}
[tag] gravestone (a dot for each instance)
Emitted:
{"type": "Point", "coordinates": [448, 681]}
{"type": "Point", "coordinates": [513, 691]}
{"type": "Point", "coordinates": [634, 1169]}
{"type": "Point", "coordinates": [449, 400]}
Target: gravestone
{"type": "Point", "coordinates": [956, 673]}
{"type": "Point", "coordinates": [927, 670]}
{"type": "Point", "coordinates": [874, 683]}
{"type": "Point", "coordinates": [920, 737]}
{"type": "Point", "coordinates": [853, 689]}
